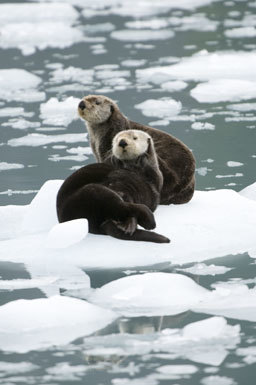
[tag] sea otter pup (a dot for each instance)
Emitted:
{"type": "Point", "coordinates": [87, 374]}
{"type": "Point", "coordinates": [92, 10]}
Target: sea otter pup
{"type": "Point", "coordinates": [115, 197]}
{"type": "Point", "coordinates": [177, 164]}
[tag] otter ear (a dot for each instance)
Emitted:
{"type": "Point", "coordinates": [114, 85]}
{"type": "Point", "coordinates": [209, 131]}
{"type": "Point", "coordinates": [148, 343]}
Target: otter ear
{"type": "Point", "coordinates": [112, 108]}
{"type": "Point", "coordinates": [150, 146]}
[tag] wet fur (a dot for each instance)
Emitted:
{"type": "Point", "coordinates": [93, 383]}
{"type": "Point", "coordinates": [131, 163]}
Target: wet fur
{"type": "Point", "coordinates": [176, 161]}
{"type": "Point", "coordinates": [114, 198]}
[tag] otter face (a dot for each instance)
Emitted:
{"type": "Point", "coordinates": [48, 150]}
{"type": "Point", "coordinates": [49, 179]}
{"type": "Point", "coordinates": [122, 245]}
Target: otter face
{"type": "Point", "coordinates": [96, 108]}
{"type": "Point", "coordinates": [130, 144]}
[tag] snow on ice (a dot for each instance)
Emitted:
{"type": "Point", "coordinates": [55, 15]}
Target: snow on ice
{"type": "Point", "coordinates": [58, 113]}
{"type": "Point", "coordinates": [45, 322]}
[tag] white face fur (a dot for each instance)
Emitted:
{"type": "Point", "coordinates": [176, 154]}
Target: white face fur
{"type": "Point", "coordinates": [130, 144]}
{"type": "Point", "coordinates": [96, 108]}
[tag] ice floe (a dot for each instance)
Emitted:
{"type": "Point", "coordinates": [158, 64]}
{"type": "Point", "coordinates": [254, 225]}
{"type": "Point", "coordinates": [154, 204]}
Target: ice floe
{"type": "Point", "coordinates": [138, 295]}
{"type": "Point", "coordinates": [203, 269]}
{"type": "Point", "coordinates": [142, 35]}
{"type": "Point", "coordinates": [237, 33]}
{"type": "Point", "coordinates": [59, 113]}
{"type": "Point", "coordinates": [243, 107]}
{"type": "Point", "coordinates": [231, 163]}
{"type": "Point", "coordinates": [160, 108]}
{"type": "Point", "coordinates": [213, 224]}
{"type": "Point", "coordinates": [172, 86]}
{"type": "Point", "coordinates": [222, 90]}
{"type": "Point", "coordinates": [35, 140]}
{"type": "Point", "coordinates": [206, 66]}
{"type": "Point", "coordinates": [72, 74]}
{"type": "Point", "coordinates": [20, 85]}
{"type": "Point", "coordinates": [202, 126]}
{"type": "Point", "coordinates": [66, 234]}
{"type": "Point", "coordinates": [192, 342]}
{"type": "Point", "coordinates": [10, 166]}
{"type": "Point", "coordinates": [42, 26]}
{"type": "Point", "coordinates": [40, 323]}
{"type": "Point", "coordinates": [249, 192]}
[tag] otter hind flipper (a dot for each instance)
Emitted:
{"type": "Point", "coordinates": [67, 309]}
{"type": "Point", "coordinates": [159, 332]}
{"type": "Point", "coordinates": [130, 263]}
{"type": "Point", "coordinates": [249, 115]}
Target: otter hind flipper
{"type": "Point", "coordinates": [110, 228]}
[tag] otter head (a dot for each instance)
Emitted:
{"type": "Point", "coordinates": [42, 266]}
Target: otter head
{"type": "Point", "coordinates": [131, 144]}
{"type": "Point", "coordinates": [96, 109]}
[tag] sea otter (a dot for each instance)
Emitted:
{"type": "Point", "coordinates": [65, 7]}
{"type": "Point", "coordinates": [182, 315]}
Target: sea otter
{"type": "Point", "coordinates": [117, 196]}
{"type": "Point", "coordinates": [177, 164]}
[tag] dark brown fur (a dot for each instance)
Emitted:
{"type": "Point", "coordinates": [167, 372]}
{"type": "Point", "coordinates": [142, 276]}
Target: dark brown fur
{"type": "Point", "coordinates": [113, 198]}
{"type": "Point", "coordinates": [176, 161]}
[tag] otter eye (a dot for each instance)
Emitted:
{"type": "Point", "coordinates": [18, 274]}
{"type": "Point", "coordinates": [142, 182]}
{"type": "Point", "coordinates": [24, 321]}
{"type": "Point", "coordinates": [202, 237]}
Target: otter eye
{"type": "Point", "coordinates": [97, 102]}
{"type": "Point", "coordinates": [135, 138]}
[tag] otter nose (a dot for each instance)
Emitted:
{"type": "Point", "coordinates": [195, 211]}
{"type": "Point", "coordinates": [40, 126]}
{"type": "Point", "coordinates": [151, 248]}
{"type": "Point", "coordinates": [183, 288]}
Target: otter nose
{"type": "Point", "coordinates": [123, 143]}
{"type": "Point", "coordinates": [82, 105]}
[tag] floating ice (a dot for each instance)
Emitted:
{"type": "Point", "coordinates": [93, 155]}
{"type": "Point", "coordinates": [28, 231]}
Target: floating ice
{"type": "Point", "coordinates": [75, 158]}
{"type": "Point", "coordinates": [10, 166]}
{"type": "Point", "coordinates": [207, 66]}
{"type": "Point", "coordinates": [35, 140]}
{"type": "Point", "coordinates": [42, 26]}
{"type": "Point", "coordinates": [161, 108]}
{"type": "Point", "coordinates": [35, 13]}
{"type": "Point", "coordinates": [213, 336]}
{"type": "Point", "coordinates": [12, 111]}
{"type": "Point", "coordinates": [243, 107]}
{"type": "Point", "coordinates": [218, 380]}
{"type": "Point", "coordinates": [222, 90]}
{"type": "Point", "coordinates": [44, 35]}
{"type": "Point", "coordinates": [202, 126]}
{"type": "Point", "coordinates": [249, 192]}
{"type": "Point", "coordinates": [172, 86]}
{"type": "Point", "coordinates": [203, 269]}
{"type": "Point", "coordinates": [133, 63]}
{"type": "Point", "coordinates": [66, 234]}
{"type": "Point", "coordinates": [177, 371]}
{"type": "Point", "coordinates": [222, 215]}
{"type": "Point", "coordinates": [139, 295]}
{"type": "Point", "coordinates": [41, 213]}
{"type": "Point", "coordinates": [17, 284]}
{"type": "Point", "coordinates": [21, 124]}
{"type": "Point", "coordinates": [59, 113]}
{"type": "Point", "coordinates": [231, 163]}
{"type": "Point", "coordinates": [11, 368]}
{"type": "Point", "coordinates": [238, 33]}
{"type": "Point", "coordinates": [41, 323]}
{"type": "Point", "coordinates": [142, 34]}
{"type": "Point", "coordinates": [72, 74]}
{"type": "Point", "coordinates": [19, 85]}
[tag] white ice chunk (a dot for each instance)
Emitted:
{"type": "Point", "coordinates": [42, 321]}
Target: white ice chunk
{"type": "Point", "coordinates": [41, 323]}
{"type": "Point", "coordinates": [142, 35]}
{"type": "Point", "coordinates": [180, 370]}
{"type": "Point", "coordinates": [41, 214]}
{"type": "Point", "coordinates": [17, 284]}
{"type": "Point", "coordinates": [249, 192]}
{"type": "Point", "coordinates": [72, 74]}
{"type": "Point", "coordinates": [12, 111]}
{"type": "Point", "coordinates": [206, 341]}
{"type": "Point", "coordinates": [59, 113]}
{"type": "Point", "coordinates": [218, 380]}
{"type": "Point", "coordinates": [202, 126]}
{"type": "Point", "coordinates": [232, 163]}
{"type": "Point", "coordinates": [237, 33]}
{"type": "Point", "coordinates": [65, 234]}
{"type": "Point", "coordinates": [11, 368]}
{"type": "Point", "coordinates": [203, 269]}
{"type": "Point", "coordinates": [35, 13]}
{"type": "Point", "coordinates": [35, 140]}
{"type": "Point", "coordinates": [143, 294]}
{"type": "Point", "coordinates": [160, 108]}
{"type": "Point", "coordinates": [206, 66]}
{"type": "Point", "coordinates": [244, 107]}
{"type": "Point", "coordinates": [213, 224]}
{"type": "Point", "coordinates": [19, 85]}
{"type": "Point", "coordinates": [11, 218]}
{"type": "Point", "coordinates": [43, 35]}
{"type": "Point", "coordinates": [172, 86]}
{"type": "Point", "coordinates": [222, 90]}
{"type": "Point", "coordinates": [10, 166]}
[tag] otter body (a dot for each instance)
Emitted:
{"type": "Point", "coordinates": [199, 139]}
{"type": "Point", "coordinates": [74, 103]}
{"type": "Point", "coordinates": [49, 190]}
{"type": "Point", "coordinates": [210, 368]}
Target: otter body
{"type": "Point", "coordinates": [176, 162]}
{"type": "Point", "coordinates": [116, 197]}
